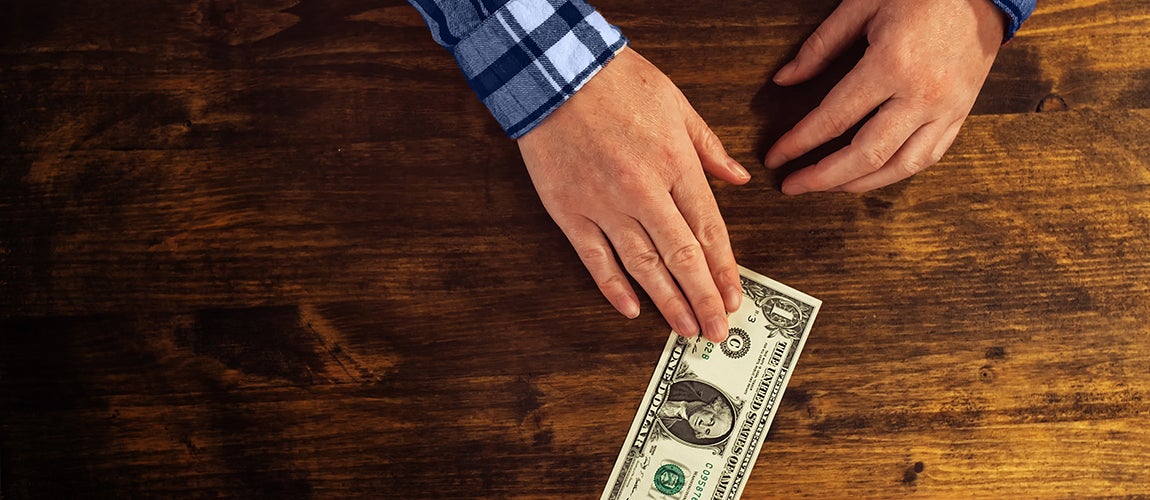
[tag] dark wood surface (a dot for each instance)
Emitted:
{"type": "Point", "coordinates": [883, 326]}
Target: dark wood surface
{"type": "Point", "coordinates": [277, 249]}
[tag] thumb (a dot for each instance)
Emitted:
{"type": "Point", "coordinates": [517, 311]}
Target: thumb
{"type": "Point", "coordinates": [712, 155]}
{"type": "Point", "coordinates": [831, 38]}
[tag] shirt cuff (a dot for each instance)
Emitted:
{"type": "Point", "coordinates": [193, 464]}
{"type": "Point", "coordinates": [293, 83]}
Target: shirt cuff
{"type": "Point", "coordinates": [1017, 11]}
{"type": "Point", "coordinates": [530, 56]}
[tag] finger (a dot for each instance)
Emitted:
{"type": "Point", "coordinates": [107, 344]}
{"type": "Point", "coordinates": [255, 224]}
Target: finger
{"type": "Point", "coordinates": [830, 39]}
{"type": "Point", "coordinates": [859, 93]}
{"type": "Point", "coordinates": [920, 151]}
{"type": "Point", "coordinates": [872, 147]}
{"type": "Point", "coordinates": [598, 257]}
{"type": "Point", "coordinates": [697, 204]}
{"type": "Point", "coordinates": [641, 258]}
{"type": "Point", "coordinates": [685, 259]}
{"type": "Point", "coordinates": [712, 155]}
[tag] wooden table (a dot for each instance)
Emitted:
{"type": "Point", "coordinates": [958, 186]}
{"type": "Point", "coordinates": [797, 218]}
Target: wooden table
{"type": "Point", "coordinates": [278, 249]}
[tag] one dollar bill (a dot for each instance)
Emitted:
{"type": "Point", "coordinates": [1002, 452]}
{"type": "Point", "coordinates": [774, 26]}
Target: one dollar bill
{"type": "Point", "coordinates": [708, 407]}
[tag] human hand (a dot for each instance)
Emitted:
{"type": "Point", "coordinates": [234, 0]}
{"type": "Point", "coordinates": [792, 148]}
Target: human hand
{"type": "Point", "coordinates": [924, 65]}
{"type": "Point", "coordinates": [620, 168]}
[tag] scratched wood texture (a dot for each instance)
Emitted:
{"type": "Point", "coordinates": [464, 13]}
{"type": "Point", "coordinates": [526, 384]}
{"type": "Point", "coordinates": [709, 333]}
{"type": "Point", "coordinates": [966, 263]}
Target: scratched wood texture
{"type": "Point", "coordinates": [276, 248]}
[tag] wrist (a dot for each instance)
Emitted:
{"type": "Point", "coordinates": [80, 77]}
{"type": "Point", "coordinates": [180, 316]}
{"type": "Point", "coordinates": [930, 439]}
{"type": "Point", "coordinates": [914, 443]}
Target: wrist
{"type": "Point", "coordinates": [1011, 13]}
{"type": "Point", "coordinates": [994, 22]}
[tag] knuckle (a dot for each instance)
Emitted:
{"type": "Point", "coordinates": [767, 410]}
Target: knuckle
{"type": "Point", "coordinates": [938, 84]}
{"type": "Point", "coordinates": [629, 177]}
{"type": "Point", "coordinates": [920, 163]}
{"type": "Point", "coordinates": [873, 158]}
{"type": "Point", "coordinates": [685, 256]}
{"type": "Point", "coordinates": [712, 234]}
{"type": "Point", "coordinates": [935, 92]}
{"type": "Point", "coordinates": [672, 304]}
{"type": "Point", "coordinates": [935, 156]}
{"type": "Point", "coordinates": [611, 284]}
{"type": "Point", "coordinates": [593, 255]}
{"type": "Point", "coordinates": [726, 274]}
{"type": "Point", "coordinates": [815, 44]}
{"type": "Point", "coordinates": [726, 277]}
{"type": "Point", "coordinates": [638, 177]}
{"type": "Point", "coordinates": [835, 124]}
{"type": "Point", "coordinates": [911, 167]}
{"type": "Point", "coordinates": [901, 56]}
{"type": "Point", "coordinates": [645, 262]}
{"type": "Point", "coordinates": [900, 63]}
{"type": "Point", "coordinates": [710, 141]}
{"type": "Point", "coordinates": [711, 305]}
{"type": "Point", "coordinates": [670, 157]}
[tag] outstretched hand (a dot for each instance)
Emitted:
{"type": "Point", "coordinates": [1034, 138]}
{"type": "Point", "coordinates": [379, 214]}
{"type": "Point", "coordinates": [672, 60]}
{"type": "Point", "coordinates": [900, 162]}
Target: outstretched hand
{"type": "Point", "coordinates": [924, 66]}
{"type": "Point", "coordinates": [620, 168]}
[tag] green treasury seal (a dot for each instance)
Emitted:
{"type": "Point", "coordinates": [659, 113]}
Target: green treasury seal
{"type": "Point", "coordinates": [669, 479]}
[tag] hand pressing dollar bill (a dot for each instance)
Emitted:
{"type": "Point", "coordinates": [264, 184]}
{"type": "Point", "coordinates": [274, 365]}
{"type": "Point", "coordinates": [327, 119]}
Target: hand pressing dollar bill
{"type": "Point", "coordinates": [709, 406]}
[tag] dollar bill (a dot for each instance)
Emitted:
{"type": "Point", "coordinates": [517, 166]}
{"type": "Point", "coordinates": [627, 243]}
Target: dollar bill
{"type": "Point", "coordinates": [708, 407]}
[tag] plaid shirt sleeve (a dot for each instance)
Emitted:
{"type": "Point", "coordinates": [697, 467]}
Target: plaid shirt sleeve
{"type": "Point", "coordinates": [1017, 11]}
{"type": "Point", "coordinates": [523, 58]}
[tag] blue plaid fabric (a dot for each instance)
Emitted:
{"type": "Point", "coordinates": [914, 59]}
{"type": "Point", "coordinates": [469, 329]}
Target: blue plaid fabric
{"type": "Point", "coordinates": [1017, 11]}
{"type": "Point", "coordinates": [523, 57]}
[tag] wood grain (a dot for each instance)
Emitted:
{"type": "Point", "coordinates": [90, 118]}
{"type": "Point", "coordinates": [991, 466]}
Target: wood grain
{"type": "Point", "coordinates": [276, 248]}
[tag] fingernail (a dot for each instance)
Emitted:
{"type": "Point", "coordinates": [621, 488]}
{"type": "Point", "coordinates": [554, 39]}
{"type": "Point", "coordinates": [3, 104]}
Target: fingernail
{"type": "Point", "coordinates": [686, 326]}
{"type": "Point", "coordinates": [785, 72]}
{"type": "Point", "coordinates": [716, 330]}
{"type": "Point", "coordinates": [738, 169]}
{"type": "Point", "coordinates": [629, 307]}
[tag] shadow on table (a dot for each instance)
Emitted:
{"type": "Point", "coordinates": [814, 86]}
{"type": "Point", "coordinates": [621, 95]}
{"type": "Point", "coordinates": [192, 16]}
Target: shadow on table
{"type": "Point", "coordinates": [781, 108]}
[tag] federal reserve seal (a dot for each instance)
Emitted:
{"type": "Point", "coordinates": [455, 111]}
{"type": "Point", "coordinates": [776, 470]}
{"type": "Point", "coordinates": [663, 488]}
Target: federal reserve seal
{"type": "Point", "coordinates": [669, 479]}
{"type": "Point", "coordinates": [737, 345]}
